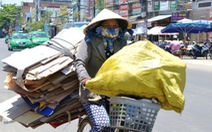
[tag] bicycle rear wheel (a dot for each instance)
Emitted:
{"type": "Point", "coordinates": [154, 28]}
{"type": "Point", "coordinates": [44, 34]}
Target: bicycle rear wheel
{"type": "Point", "coordinates": [84, 125]}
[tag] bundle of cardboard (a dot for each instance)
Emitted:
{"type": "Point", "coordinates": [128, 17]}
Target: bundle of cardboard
{"type": "Point", "coordinates": [46, 83]}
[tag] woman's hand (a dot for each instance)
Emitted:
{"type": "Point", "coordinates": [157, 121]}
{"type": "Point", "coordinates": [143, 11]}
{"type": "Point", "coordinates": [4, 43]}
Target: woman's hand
{"type": "Point", "coordinates": [85, 80]}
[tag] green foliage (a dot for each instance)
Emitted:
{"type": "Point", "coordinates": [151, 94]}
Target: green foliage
{"type": "Point", "coordinates": [76, 15]}
{"type": "Point", "coordinates": [100, 4]}
{"type": "Point", "coordinates": [36, 25]}
{"type": "Point", "coordinates": [10, 14]}
{"type": "Point", "coordinates": [39, 24]}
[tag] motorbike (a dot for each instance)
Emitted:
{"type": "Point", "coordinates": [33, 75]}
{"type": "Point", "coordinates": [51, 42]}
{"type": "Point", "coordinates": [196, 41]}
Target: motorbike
{"type": "Point", "coordinates": [6, 39]}
{"type": "Point", "coordinates": [199, 51]}
{"type": "Point", "coordinates": [210, 51]}
{"type": "Point", "coordinates": [189, 49]}
{"type": "Point", "coordinates": [177, 53]}
{"type": "Point", "coordinates": [186, 50]}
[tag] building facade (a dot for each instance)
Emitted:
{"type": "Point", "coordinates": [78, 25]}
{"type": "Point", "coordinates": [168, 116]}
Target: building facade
{"type": "Point", "coordinates": [134, 10]}
{"type": "Point", "coordinates": [201, 10]}
{"type": "Point", "coordinates": [160, 12]}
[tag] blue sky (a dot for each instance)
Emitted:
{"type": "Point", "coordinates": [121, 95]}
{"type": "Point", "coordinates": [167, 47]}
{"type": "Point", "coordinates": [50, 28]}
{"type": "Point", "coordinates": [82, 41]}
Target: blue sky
{"type": "Point", "coordinates": [18, 2]}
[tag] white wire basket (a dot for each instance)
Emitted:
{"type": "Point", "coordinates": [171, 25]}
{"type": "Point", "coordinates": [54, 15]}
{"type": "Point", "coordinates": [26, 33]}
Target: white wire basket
{"type": "Point", "coordinates": [131, 114]}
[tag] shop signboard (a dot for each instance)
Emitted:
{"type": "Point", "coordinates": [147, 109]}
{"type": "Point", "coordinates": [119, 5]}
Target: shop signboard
{"type": "Point", "coordinates": [178, 16]}
{"type": "Point", "coordinates": [173, 5]}
{"type": "Point", "coordinates": [123, 2]}
{"type": "Point", "coordinates": [123, 11]}
{"type": "Point", "coordinates": [133, 1]}
{"type": "Point", "coordinates": [164, 5]}
{"type": "Point", "coordinates": [156, 5]}
{"type": "Point", "coordinates": [150, 6]}
{"type": "Point", "coordinates": [136, 9]}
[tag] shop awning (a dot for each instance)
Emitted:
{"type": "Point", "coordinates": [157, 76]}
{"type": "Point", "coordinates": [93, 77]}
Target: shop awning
{"type": "Point", "coordinates": [156, 18]}
{"type": "Point", "coordinates": [133, 18]}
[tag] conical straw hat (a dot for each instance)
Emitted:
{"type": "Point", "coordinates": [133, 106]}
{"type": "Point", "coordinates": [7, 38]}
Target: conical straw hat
{"type": "Point", "coordinates": [106, 14]}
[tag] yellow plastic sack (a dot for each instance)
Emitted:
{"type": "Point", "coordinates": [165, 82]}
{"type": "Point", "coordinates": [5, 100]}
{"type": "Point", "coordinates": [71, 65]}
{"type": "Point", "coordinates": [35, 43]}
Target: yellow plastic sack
{"type": "Point", "coordinates": [143, 70]}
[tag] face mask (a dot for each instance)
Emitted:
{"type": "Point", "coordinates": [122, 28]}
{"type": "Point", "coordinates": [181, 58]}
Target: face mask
{"type": "Point", "coordinates": [110, 32]}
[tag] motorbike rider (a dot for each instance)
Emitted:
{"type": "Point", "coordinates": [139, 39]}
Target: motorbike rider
{"type": "Point", "coordinates": [104, 36]}
{"type": "Point", "coordinates": [174, 45]}
{"type": "Point", "coordinates": [6, 39]}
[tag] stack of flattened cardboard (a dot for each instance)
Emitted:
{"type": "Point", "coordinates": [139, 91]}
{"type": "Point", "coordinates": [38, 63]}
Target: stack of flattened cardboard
{"type": "Point", "coordinates": [45, 81]}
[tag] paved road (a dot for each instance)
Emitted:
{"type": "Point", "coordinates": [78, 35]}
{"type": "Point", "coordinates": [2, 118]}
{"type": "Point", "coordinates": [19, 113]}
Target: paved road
{"type": "Point", "coordinates": [199, 63]}
{"type": "Point", "coordinates": [197, 114]}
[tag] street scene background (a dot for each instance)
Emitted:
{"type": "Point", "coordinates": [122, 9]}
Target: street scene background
{"type": "Point", "coordinates": [196, 116]}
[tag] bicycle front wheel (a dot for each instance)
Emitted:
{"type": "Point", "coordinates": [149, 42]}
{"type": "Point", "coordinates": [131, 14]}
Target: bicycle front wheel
{"type": "Point", "coordinates": [84, 125]}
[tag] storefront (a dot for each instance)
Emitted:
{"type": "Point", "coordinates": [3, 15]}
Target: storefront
{"type": "Point", "coordinates": [160, 20]}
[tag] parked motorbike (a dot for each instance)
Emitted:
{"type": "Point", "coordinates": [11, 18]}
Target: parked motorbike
{"type": "Point", "coordinates": [186, 50]}
{"type": "Point", "coordinates": [199, 51]}
{"type": "Point", "coordinates": [189, 49]}
{"type": "Point", "coordinates": [210, 51]}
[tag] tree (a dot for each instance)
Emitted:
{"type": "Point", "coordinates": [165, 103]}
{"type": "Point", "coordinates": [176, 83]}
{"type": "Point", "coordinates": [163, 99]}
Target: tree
{"type": "Point", "coordinates": [10, 15]}
{"type": "Point", "coordinates": [40, 24]}
{"type": "Point", "coordinates": [100, 5]}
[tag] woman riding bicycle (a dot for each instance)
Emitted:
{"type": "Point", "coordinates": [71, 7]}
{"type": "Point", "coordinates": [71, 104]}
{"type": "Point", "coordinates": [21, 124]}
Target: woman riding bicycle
{"type": "Point", "coordinates": [104, 37]}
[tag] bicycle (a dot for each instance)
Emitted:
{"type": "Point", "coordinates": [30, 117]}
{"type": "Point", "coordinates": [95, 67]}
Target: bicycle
{"type": "Point", "coordinates": [84, 124]}
{"type": "Point", "coordinates": [127, 115]}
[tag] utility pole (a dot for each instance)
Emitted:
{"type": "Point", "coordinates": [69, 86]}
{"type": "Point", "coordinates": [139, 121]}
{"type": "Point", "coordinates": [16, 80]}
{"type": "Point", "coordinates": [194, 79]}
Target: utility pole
{"type": "Point", "coordinates": [0, 3]}
{"type": "Point", "coordinates": [94, 9]}
{"type": "Point", "coordinates": [146, 19]}
{"type": "Point", "coordinates": [17, 20]}
{"type": "Point", "coordinates": [78, 8]}
{"type": "Point", "coordinates": [37, 7]}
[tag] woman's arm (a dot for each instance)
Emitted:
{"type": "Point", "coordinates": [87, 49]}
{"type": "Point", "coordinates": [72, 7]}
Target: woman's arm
{"type": "Point", "coordinates": [82, 58]}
